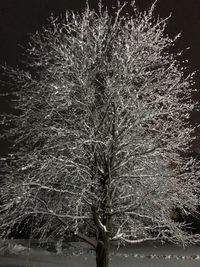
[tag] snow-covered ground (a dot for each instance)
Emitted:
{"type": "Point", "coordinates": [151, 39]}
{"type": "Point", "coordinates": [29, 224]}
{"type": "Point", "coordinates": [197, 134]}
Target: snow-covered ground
{"type": "Point", "coordinates": [145, 255]}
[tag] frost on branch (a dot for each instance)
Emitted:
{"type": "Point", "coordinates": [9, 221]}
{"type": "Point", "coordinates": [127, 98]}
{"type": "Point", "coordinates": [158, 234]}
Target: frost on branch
{"type": "Point", "coordinates": [102, 132]}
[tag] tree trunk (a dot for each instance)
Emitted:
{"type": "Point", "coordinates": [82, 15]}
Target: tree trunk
{"type": "Point", "coordinates": [102, 253]}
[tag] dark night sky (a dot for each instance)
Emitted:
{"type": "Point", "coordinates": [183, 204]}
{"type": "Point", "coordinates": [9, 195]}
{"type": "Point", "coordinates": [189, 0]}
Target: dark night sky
{"type": "Point", "coordinates": [20, 17]}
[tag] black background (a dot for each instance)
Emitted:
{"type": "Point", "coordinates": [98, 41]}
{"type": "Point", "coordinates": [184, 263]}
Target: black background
{"type": "Point", "coordinates": [20, 17]}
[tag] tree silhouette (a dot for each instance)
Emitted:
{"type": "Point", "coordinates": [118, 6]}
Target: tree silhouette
{"type": "Point", "coordinates": [103, 126]}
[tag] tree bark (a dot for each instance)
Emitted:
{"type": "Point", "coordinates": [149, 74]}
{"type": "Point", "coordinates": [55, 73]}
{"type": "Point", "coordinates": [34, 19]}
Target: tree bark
{"type": "Point", "coordinates": [102, 252]}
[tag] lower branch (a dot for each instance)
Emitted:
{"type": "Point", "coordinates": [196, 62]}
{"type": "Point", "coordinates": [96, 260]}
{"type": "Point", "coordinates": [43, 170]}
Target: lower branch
{"type": "Point", "coordinates": [136, 241]}
{"type": "Point", "coordinates": [87, 239]}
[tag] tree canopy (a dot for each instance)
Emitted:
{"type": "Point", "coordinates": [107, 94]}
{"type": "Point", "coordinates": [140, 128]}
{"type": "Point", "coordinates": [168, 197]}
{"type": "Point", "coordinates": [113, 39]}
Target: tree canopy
{"type": "Point", "coordinates": [103, 126]}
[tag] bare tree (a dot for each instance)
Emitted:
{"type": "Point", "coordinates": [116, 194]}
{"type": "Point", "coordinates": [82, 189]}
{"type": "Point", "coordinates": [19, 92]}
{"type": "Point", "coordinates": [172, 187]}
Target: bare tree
{"type": "Point", "coordinates": [102, 128]}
